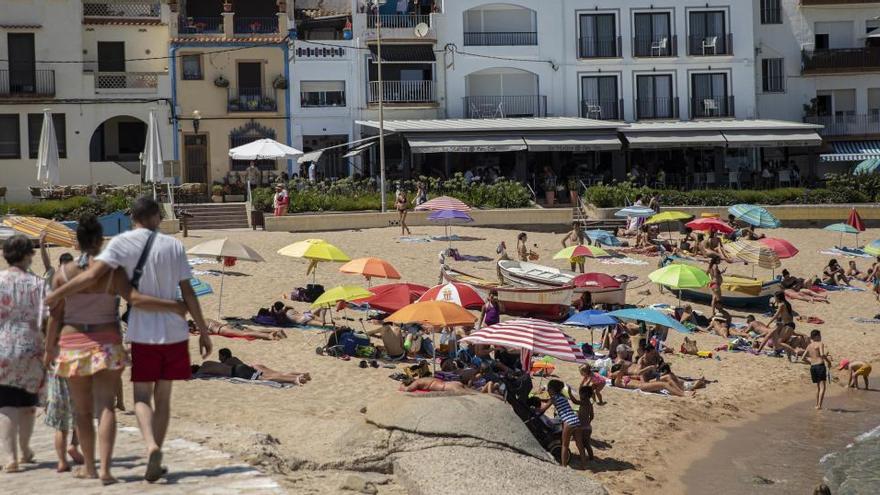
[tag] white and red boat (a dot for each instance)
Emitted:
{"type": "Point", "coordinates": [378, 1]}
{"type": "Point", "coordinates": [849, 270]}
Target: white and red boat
{"type": "Point", "coordinates": [547, 303]}
{"type": "Point", "coordinates": [604, 289]}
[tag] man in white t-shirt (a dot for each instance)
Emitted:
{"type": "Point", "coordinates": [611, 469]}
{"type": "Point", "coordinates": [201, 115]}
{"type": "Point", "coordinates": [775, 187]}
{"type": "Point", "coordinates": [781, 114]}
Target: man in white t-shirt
{"type": "Point", "coordinates": [159, 340]}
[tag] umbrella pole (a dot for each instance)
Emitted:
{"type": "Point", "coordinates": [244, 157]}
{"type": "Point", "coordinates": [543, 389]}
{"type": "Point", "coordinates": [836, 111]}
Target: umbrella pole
{"type": "Point", "coordinates": [434, 351]}
{"type": "Point", "coordinates": [220, 299]}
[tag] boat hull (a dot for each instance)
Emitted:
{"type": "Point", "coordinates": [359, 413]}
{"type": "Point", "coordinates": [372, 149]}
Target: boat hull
{"type": "Point", "coordinates": [734, 299]}
{"type": "Point", "coordinates": [560, 278]}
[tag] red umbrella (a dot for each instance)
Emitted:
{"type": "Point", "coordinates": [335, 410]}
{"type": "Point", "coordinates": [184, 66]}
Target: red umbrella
{"type": "Point", "coordinates": [710, 224]}
{"type": "Point", "coordinates": [595, 281]}
{"type": "Point", "coordinates": [855, 221]}
{"type": "Point", "coordinates": [783, 248]}
{"type": "Point", "coordinates": [393, 297]}
{"type": "Point", "coordinates": [462, 294]}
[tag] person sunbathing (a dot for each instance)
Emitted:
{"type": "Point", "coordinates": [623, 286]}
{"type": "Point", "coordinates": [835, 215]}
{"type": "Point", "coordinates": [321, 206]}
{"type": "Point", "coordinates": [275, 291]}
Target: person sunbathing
{"type": "Point", "coordinates": [756, 328]}
{"type": "Point", "coordinates": [237, 331]}
{"type": "Point", "coordinates": [854, 272]}
{"type": "Point", "coordinates": [833, 274]}
{"type": "Point", "coordinates": [286, 316]}
{"type": "Point", "coordinates": [750, 234]}
{"type": "Point", "coordinates": [620, 379]}
{"type": "Point", "coordinates": [800, 289]}
{"type": "Point", "coordinates": [430, 384]}
{"type": "Point", "coordinates": [230, 366]}
{"type": "Point", "coordinates": [687, 385]}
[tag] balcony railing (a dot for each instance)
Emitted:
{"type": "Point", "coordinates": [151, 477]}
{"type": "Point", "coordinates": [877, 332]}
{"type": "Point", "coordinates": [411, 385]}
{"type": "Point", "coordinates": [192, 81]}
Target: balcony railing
{"type": "Point", "coordinates": [255, 25]}
{"type": "Point", "coordinates": [710, 45]}
{"type": "Point", "coordinates": [27, 83]}
{"type": "Point", "coordinates": [847, 125]}
{"type": "Point", "coordinates": [401, 91]}
{"type": "Point", "coordinates": [200, 25]}
{"type": "Point", "coordinates": [127, 80]}
{"type": "Point", "coordinates": [655, 46]}
{"type": "Point", "coordinates": [314, 99]}
{"type": "Point", "coordinates": [121, 9]}
{"type": "Point", "coordinates": [712, 106]}
{"type": "Point", "coordinates": [321, 52]}
{"type": "Point", "coordinates": [841, 59]}
{"type": "Point", "coordinates": [251, 100]}
{"type": "Point", "coordinates": [499, 107]}
{"type": "Point", "coordinates": [397, 21]}
{"type": "Point", "coordinates": [599, 47]}
{"type": "Point", "coordinates": [656, 108]}
{"type": "Point", "coordinates": [522, 38]}
{"type": "Point", "coordinates": [605, 109]}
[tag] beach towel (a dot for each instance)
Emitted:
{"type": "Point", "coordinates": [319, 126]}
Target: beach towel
{"type": "Point", "coordinates": [199, 261]}
{"type": "Point", "coordinates": [849, 253]}
{"type": "Point", "coordinates": [839, 288]}
{"type": "Point", "coordinates": [662, 393]}
{"type": "Point", "coordinates": [859, 319]}
{"type": "Point", "coordinates": [213, 273]}
{"type": "Point", "coordinates": [622, 261]}
{"type": "Point", "coordinates": [242, 381]}
{"type": "Point", "coordinates": [412, 238]}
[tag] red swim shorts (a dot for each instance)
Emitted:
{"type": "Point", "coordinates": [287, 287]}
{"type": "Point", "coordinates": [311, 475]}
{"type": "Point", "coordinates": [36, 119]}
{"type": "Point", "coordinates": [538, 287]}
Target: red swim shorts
{"type": "Point", "coordinates": [154, 362]}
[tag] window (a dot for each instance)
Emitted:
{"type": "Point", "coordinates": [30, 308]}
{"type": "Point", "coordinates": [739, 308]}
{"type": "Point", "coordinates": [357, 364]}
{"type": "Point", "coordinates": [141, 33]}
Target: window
{"type": "Point", "coordinates": [773, 75]}
{"type": "Point", "coordinates": [600, 100]}
{"type": "Point", "coordinates": [708, 33]}
{"type": "Point", "coordinates": [653, 35]}
{"type": "Point", "coordinates": [322, 93]}
{"type": "Point", "coordinates": [9, 136]}
{"type": "Point", "coordinates": [654, 98]}
{"type": "Point", "coordinates": [709, 94]}
{"type": "Point", "coordinates": [598, 36]}
{"type": "Point", "coordinates": [191, 66]}
{"type": "Point", "coordinates": [35, 129]}
{"type": "Point", "coordinates": [771, 12]}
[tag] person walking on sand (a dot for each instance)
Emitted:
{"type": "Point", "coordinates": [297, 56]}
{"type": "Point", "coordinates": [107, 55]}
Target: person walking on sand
{"type": "Point", "coordinates": [157, 266]}
{"type": "Point", "coordinates": [819, 361]}
{"type": "Point", "coordinates": [402, 205]}
{"type": "Point", "coordinates": [856, 369]}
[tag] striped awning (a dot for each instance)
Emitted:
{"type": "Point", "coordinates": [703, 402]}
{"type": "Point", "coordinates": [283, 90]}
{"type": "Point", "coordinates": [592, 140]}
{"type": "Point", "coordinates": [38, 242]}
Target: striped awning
{"type": "Point", "coordinates": [852, 151]}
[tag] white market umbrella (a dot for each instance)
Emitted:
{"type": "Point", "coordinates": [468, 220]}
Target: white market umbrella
{"type": "Point", "coordinates": [48, 165]}
{"type": "Point", "coordinates": [151, 158]}
{"type": "Point", "coordinates": [224, 248]}
{"type": "Point", "coordinates": [264, 149]}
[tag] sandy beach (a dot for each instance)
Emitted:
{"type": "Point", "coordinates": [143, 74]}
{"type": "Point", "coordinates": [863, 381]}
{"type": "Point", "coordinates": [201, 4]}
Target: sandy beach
{"type": "Point", "coordinates": [649, 440]}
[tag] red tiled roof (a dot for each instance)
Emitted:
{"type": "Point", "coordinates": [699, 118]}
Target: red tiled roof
{"type": "Point", "coordinates": [274, 38]}
{"type": "Point", "coordinates": [122, 22]}
{"type": "Point", "coordinates": [21, 26]}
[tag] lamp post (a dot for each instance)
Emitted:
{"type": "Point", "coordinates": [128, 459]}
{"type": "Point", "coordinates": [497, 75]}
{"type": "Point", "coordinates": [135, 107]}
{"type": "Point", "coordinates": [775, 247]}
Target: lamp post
{"type": "Point", "coordinates": [377, 3]}
{"type": "Point", "coordinates": [197, 119]}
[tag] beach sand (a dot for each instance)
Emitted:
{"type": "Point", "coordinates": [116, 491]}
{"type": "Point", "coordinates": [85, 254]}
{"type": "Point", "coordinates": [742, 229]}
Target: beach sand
{"type": "Point", "coordinates": [647, 438]}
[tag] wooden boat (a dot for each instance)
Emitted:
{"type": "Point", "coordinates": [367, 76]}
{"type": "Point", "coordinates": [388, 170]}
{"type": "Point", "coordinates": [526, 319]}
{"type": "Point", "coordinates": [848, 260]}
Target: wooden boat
{"type": "Point", "coordinates": [737, 291]}
{"type": "Point", "coordinates": [547, 303]}
{"type": "Point", "coordinates": [526, 274]}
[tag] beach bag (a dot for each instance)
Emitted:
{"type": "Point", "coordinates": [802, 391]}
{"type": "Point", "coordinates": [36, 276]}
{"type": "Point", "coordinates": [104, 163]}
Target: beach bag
{"type": "Point", "coordinates": [366, 351]}
{"type": "Point", "coordinates": [313, 292]}
{"type": "Point", "coordinates": [351, 340]}
{"type": "Point", "coordinates": [298, 294]}
{"type": "Point", "coordinates": [138, 272]}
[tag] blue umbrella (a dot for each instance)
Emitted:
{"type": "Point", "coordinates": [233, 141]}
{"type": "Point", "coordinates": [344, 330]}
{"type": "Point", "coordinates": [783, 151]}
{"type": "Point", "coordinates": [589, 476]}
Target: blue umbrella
{"type": "Point", "coordinates": [448, 217]}
{"type": "Point", "coordinates": [754, 215]}
{"type": "Point", "coordinates": [843, 228]}
{"type": "Point", "coordinates": [649, 316]}
{"type": "Point", "coordinates": [200, 287]}
{"type": "Point", "coordinates": [603, 237]}
{"type": "Point", "coordinates": [591, 318]}
{"type": "Point", "coordinates": [635, 211]}
{"type": "Point", "coordinates": [869, 166]}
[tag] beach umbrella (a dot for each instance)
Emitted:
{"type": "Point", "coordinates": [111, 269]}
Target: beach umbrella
{"type": "Point", "coordinates": [48, 164]}
{"type": "Point", "coordinates": [668, 217]}
{"type": "Point", "coordinates": [314, 250]}
{"type": "Point", "coordinates": [227, 249]}
{"type": "Point", "coordinates": [783, 248]}
{"type": "Point", "coordinates": [443, 203]}
{"type": "Point", "coordinates": [151, 158]}
{"type": "Point", "coordinates": [595, 281]}
{"type": "Point", "coordinates": [635, 212]}
{"type": "Point", "coordinates": [710, 224]}
{"type": "Point", "coordinates": [463, 295]}
{"type": "Point", "coordinates": [200, 287]}
{"type": "Point", "coordinates": [843, 228]}
{"type": "Point", "coordinates": [754, 215]}
{"type": "Point", "coordinates": [591, 318]}
{"type": "Point", "coordinates": [648, 315]}
{"type": "Point", "coordinates": [678, 276]}
{"type": "Point", "coordinates": [264, 149]}
{"type": "Point", "coordinates": [437, 314]}
{"type": "Point", "coordinates": [531, 337]}
{"type": "Point", "coordinates": [370, 267]}
{"type": "Point", "coordinates": [392, 297]}
{"type": "Point", "coordinates": [603, 237]}
{"type": "Point", "coordinates": [869, 166]}
{"type": "Point", "coordinates": [342, 293]}
{"type": "Point", "coordinates": [855, 221]}
{"type": "Point", "coordinates": [580, 251]}
{"type": "Point", "coordinates": [449, 217]}
{"type": "Point", "coordinates": [873, 248]}
{"type": "Point", "coordinates": [56, 233]}
{"type": "Point", "coordinates": [755, 253]}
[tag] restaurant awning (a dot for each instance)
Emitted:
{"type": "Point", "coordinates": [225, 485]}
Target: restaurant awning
{"type": "Point", "coordinates": [564, 142]}
{"type": "Point", "coordinates": [357, 150]}
{"type": "Point", "coordinates": [771, 138]}
{"type": "Point", "coordinates": [313, 156]}
{"type": "Point", "coordinates": [404, 53]}
{"type": "Point", "coordinates": [446, 143]}
{"type": "Point", "coordinates": [675, 139]}
{"type": "Point", "coordinates": [852, 151]}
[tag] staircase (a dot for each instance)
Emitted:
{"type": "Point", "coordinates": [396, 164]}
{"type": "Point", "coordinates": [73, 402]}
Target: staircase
{"type": "Point", "coordinates": [609, 224]}
{"type": "Point", "coordinates": [216, 216]}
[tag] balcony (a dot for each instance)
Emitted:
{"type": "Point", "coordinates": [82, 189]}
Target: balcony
{"type": "Point", "coordinates": [865, 59]}
{"type": "Point", "coordinates": [712, 106]}
{"type": "Point", "coordinates": [847, 125]}
{"type": "Point", "coordinates": [397, 92]}
{"type": "Point", "coordinates": [255, 25]}
{"type": "Point", "coordinates": [656, 108]}
{"type": "Point", "coordinates": [27, 83]}
{"type": "Point", "coordinates": [401, 21]}
{"type": "Point", "coordinates": [500, 38]}
{"type": "Point", "coordinates": [120, 9]}
{"type": "Point", "coordinates": [116, 82]}
{"type": "Point", "coordinates": [710, 45]}
{"type": "Point", "coordinates": [603, 109]}
{"type": "Point", "coordinates": [600, 47]}
{"type": "Point", "coordinates": [200, 25]}
{"type": "Point", "coordinates": [500, 107]}
{"type": "Point", "coordinates": [655, 46]}
{"type": "Point", "coordinates": [251, 100]}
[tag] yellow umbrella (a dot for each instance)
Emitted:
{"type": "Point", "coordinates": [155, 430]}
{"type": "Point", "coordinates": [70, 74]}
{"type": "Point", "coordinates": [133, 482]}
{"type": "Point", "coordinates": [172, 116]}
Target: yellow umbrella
{"type": "Point", "coordinates": [342, 293]}
{"type": "Point", "coordinates": [56, 233]}
{"type": "Point", "coordinates": [580, 251]}
{"type": "Point", "coordinates": [668, 217]}
{"type": "Point", "coordinates": [438, 314]}
{"type": "Point", "coordinates": [315, 250]}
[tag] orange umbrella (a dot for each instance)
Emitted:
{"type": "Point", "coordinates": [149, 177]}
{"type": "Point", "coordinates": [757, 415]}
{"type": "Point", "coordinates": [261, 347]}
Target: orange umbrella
{"type": "Point", "coordinates": [438, 314]}
{"type": "Point", "coordinates": [370, 267]}
{"type": "Point", "coordinates": [56, 233]}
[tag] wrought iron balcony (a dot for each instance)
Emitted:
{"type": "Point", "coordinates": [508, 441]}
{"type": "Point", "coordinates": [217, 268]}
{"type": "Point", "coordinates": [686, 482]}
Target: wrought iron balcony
{"type": "Point", "coordinates": [602, 109]}
{"type": "Point", "coordinates": [512, 38]}
{"type": "Point", "coordinates": [655, 46]}
{"type": "Point", "coordinates": [401, 92]}
{"type": "Point", "coordinates": [251, 100]}
{"type": "Point", "coordinates": [395, 21]}
{"type": "Point", "coordinates": [200, 25]}
{"type": "Point", "coordinates": [27, 83]}
{"type": "Point", "coordinates": [710, 45]}
{"type": "Point", "coordinates": [864, 59]}
{"type": "Point", "coordinates": [499, 107]}
{"type": "Point", "coordinates": [600, 47]}
{"type": "Point", "coordinates": [255, 25]}
{"type": "Point", "coordinates": [141, 81]}
{"type": "Point", "coordinates": [712, 106]}
{"type": "Point", "coordinates": [656, 108]}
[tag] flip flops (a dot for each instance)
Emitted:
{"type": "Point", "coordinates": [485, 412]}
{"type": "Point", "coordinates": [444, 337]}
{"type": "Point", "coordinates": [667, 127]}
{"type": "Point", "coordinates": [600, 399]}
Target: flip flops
{"type": "Point", "coordinates": [154, 467]}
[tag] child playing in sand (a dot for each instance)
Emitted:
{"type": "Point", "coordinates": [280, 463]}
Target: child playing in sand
{"type": "Point", "coordinates": [571, 424]}
{"type": "Point", "coordinates": [819, 361]}
{"type": "Point", "coordinates": [856, 369]}
{"type": "Point", "coordinates": [585, 415]}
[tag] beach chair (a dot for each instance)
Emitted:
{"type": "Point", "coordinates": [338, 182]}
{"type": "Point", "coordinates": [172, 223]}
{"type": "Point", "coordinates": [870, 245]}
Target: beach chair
{"type": "Point", "coordinates": [710, 43]}
{"type": "Point", "coordinates": [659, 47]}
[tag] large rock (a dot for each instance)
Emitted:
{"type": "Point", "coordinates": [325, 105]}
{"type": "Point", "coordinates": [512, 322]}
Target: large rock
{"type": "Point", "coordinates": [467, 470]}
{"type": "Point", "coordinates": [476, 416]}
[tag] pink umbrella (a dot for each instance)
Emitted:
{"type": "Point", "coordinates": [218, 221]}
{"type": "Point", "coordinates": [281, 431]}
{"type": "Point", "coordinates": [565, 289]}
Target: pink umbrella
{"type": "Point", "coordinates": [532, 337]}
{"type": "Point", "coordinates": [443, 203]}
{"type": "Point", "coordinates": [783, 248]}
{"type": "Point", "coordinates": [462, 294]}
{"type": "Point", "coordinates": [710, 224]}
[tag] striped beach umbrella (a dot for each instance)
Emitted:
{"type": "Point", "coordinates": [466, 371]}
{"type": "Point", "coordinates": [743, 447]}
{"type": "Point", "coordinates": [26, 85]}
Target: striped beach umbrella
{"type": "Point", "coordinates": [56, 233]}
{"type": "Point", "coordinates": [443, 203]}
{"type": "Point", "coordinates": [754, 215]}
{"type": "Point", "coordinates": [531, 336]}
{"type": "Point", "coordinates": [755, 253]}
{"type": "Point", "coordinates": [843, 228]}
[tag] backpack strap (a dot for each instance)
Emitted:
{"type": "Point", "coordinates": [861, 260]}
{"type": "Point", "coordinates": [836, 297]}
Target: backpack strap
{"type": "Point", "coordinates": [139, 268]}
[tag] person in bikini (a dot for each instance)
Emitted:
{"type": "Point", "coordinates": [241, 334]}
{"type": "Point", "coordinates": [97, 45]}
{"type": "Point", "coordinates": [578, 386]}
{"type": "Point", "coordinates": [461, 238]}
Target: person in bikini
{"type": "Point", "coordinates": [237, 331]}
{"type": "Point", "coordinates": [230, 366]}
{"type": "Point", "coordinates": [712, 246]}
{"type": "Point", "coordinates": [429, 384]}
{"type": "Point", "coordinates": [716, 277]}
{"type": "Point", "coordinates": [620, 379]}
{"type": "Point", "coordinates": [854, 272]}
{"type": "Point", "coordinates": [833, 274]}
{"type": "Point", "coordinates": [594, 380]}
{"type": "Point", "coordinates": [796, 288]}
{"type": "Point", "coordinates": [401, 203]}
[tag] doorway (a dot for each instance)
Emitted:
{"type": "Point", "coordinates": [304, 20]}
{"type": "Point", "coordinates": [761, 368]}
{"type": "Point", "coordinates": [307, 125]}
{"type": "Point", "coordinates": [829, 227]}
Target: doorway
{"type": "Point", "coordinates": [111, 56]}
{"type": "Point", "coordinates": [195, 151]}
{"type": "Point", "coordinates": [22, 63]}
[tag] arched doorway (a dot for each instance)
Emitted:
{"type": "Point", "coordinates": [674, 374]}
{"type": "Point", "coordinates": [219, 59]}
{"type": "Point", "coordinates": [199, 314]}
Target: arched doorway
{"type": "Point", "coordinates": [501, 92]}
{"type": "Point", "coordinates": [119, 139]}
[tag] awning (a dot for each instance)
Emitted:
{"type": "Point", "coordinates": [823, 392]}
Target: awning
{"type": "Point", "coordinates": [852, 151]}
{"type": "Point", "coordinates": [404, 53]}
{"type": "Point", "coordinates": [357, 150]}
{"type": "Point", "coordinates": [567, 142]}
{"type": "Point", "coordinates": [313, 156]}
{"type": "Point", "coordinates": [771, 139]}
{"type": "Point", "coordinates": [675, 139]}
{"type": "Point", "coordinates": [446, 143]}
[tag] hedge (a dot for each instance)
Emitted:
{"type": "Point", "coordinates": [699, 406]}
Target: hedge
{"type": "Point", "coordinates": [69, 209]}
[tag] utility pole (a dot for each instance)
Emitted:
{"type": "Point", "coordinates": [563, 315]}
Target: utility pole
{"type": "Point", "coordinates": [381, 111]}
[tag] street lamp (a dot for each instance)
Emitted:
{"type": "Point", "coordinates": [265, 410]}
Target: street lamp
{"type": "Point", "coordinates": [197, 119]}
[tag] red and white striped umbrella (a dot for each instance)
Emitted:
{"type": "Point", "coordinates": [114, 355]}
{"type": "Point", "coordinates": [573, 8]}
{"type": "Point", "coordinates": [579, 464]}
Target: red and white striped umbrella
{"type": "Point", "coordinates": [443, 203]}
{"type": "Point", "coordinates": [533, 336]}
{"type": "Point", "coordinates": [462, 294]}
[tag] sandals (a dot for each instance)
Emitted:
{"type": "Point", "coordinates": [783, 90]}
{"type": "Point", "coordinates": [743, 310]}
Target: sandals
{"type": "Point", "coordinates": [154, 467]}
{"type": "Point", "coordinates": [12, 467]}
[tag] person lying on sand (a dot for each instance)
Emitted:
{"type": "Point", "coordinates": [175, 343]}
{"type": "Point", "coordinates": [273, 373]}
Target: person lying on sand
{"type": "Point", "coordinates": [756, 328]}
{"type": "Point", "coordinates": [749, 233]}
{"type": "Point", "coordinates": [620, 379]}
{"type": "Point", "coordinates": [430, 384]}
{"type": "Point", "coordinates": [237, 331]}
{"type": "Point", "coordinates": [856, 369]}
{"type": "Point", "coordinates": [230, 366]}
{"type": "Point", "coordinates": [285, 315]}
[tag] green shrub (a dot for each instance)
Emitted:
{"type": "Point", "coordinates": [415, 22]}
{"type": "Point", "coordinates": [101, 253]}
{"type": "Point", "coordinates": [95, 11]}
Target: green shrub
{"type": "Point", "coordinates": [71, 208]}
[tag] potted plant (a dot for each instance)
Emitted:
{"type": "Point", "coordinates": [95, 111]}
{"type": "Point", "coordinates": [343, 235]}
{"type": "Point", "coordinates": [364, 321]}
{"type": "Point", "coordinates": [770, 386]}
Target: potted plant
{"type": "Point", "coordinates": [573, 191]}
{"type": "Point", "coordinates": [227, 6]}
{"type": "Point", "coordinates": [268, 103]}
{"type": "Point", "coordinates": [217, 193]}
{"type": "Point", "coordinates": [280, 82]}
{"type": "Point", "coordinates": [234, 104]}
{"type": "Point", "coordinates": [253, 104]}
{"type": "Point", "coordinates": [221, 82]}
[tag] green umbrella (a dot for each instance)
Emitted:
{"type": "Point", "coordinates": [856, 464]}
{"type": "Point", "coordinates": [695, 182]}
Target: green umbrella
{"type": "Point", "coordinates": [677, 276]}
{"type": "Point", "coordinates": [843, 228]}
